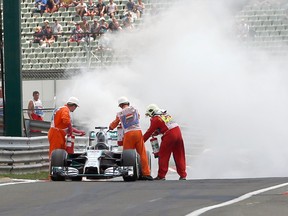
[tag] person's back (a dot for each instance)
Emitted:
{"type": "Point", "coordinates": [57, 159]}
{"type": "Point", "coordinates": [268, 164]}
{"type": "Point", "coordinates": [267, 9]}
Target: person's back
{"type": "Point", "coordinates": [161, 123]}
{"type": "Point", "coordinates": [133, 138]}
{"type": "Point", "coordinates": [61, 125]}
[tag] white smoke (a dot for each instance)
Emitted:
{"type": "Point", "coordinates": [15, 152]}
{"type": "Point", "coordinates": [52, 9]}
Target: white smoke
{"type": "Point", "coordinates": [232, 107]}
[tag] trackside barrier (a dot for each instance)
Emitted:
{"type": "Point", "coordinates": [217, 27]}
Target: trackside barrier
{"type": "Point", "coordinates": [35, 125]}
{"type": "Point", "coordinates": [28, 154]}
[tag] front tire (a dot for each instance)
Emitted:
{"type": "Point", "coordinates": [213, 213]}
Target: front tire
{"type": "Point", "coordinates": [58, 159]}
{"type": "Point", "coordinates": [131, 158]}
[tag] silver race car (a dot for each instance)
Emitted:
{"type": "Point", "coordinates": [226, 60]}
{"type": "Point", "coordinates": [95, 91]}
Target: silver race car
{"type": "Point", "coordinates": [100, 160]}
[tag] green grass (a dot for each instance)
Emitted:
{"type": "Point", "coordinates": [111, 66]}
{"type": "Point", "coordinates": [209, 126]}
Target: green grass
{"type": "Point", "coordinates": [33, 176]}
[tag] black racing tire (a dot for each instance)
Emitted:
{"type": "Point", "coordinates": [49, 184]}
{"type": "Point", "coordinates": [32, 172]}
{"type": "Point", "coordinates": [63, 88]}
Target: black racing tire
{"type": "Point", "coordinates": [58, 158]}
{"type": "Point", "coordinates": [149, 163]}
{"type": "Point", "coordinates": [131, 158]}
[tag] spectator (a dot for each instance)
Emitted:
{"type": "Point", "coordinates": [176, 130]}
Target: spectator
{"type": "Point", "coordinates": [171, 141]}
{"type": "Point", "coordinates": [140, 6]}
{"type": "Point", "coordinates": [57, 29]}
{"type": "Point", "coordinates": [133, 139]}
{"type": "Point", "coordinates": [131, 15]}
{"type": "Point", "coordinates": [127, 24]}
{"type": "Point", "coordinates": [51, 6]}
{"type": "Point", "coordinates": [114, 25]}
{"type": "Point", "coordinates": [77, 34]}
{"type": "Point", "coordinates": [81, 8]}
{"type": "Point", "coordinates": [57, 3]}
{"type": "Point", "coordinates": [85, 26]}
{"type": "Point", "coordinates": [111, 8]}
{"type": "Point", "coordinates": [91, 7]}
{"type": "Point", "coordinates": [44, 27]}
{"type": "Point", "coordinates": [48, 36]}
{"type": "Point", "coordinates": [38, 36]}
{"type": "Point", "coordinates": [61, 125]}
{"type": "Point", "coordinates": [100, 8]}
{"type": "Point", "coordinates": [41, 6]}
{"type": "Point", "coordinates": [68, 3]}
{"type": "Point", "coordinates": [130, 6]}
{"type": "Point", "coordinates": [103, 26]}
{"type": "Point", "coordinates": [94, 29]}
{"type": "Point", "coordinates": [35, 107]}
{"type": "Point", "coordinates": [104, 42]}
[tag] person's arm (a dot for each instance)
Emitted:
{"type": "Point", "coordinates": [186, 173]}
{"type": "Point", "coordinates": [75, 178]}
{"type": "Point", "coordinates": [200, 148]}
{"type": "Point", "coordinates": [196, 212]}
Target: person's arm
{"type": "Point", "coordinates": [75, 131]}
{"type": "Point", "coordinates": [114, 124]}
{"type": "Point", "coordinates": [103, 8]}
{"type": "Point", "coordinates": [66, 120]}
{"type": "Point", "coordinates": [153, 127]}
{"type": "Point", "coordinates": [30, 109]}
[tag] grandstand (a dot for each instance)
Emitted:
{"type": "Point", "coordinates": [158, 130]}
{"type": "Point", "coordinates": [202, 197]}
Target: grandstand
{"type": "Point", "coordinates": [64, 56]}
{"type": "Point", "coordinates": [268, 26]}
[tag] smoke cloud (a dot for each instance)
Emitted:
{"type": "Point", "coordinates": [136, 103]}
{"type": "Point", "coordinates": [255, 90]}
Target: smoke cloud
{"type": "Point", "coordinates": [230, 102]}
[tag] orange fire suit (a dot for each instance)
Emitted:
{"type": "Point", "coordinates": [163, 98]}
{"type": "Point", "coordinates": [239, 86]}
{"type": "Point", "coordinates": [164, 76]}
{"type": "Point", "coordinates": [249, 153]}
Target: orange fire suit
{"type": "Point", "coordinates": [171, 142]}
{"type": "Point", "coordinates": [133, 138]}
{"type": "Point", "coordinates": [60, 125]}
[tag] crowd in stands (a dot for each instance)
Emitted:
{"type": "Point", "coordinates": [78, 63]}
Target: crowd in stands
{"type": "Point", "coordinates": [104, 16]}
{"type": "Point", "coordinates": [46, 35]}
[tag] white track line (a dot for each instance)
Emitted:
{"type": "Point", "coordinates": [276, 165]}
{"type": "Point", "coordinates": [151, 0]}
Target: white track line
{"type": "Point", "coordinates": [243, 197]}
{"type": "Point", "coordinates": [18, 181]}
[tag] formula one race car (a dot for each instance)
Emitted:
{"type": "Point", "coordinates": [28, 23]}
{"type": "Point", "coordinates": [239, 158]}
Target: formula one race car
{"type": "Point", "coordinates": [100, 160]}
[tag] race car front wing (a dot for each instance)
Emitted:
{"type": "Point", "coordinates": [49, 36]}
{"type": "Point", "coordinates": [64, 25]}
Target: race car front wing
{"type": "Point", "coordinates": [109, 172]}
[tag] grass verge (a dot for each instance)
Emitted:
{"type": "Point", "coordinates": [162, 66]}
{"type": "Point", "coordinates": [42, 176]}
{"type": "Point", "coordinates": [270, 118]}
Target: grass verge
{"type": "Point", "coordinates": [33, 176]}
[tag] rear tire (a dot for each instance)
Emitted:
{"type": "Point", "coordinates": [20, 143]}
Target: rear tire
{"type": "Point", "coordinates": [131, 158]}
{"type": "Point", "coordinates": [58, 158]}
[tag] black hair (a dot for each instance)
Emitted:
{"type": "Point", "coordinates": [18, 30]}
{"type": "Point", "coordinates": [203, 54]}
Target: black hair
{"type": "Point", "coordinates": [35, 92]}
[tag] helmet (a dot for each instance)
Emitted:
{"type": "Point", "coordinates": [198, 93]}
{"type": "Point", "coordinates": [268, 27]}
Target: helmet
{"type": "Point", "coordinates": [123, 100]}
{"type": "Point", "coordinates": [73, 100]}
{"type": "Point", "coordinates": [151, 109]}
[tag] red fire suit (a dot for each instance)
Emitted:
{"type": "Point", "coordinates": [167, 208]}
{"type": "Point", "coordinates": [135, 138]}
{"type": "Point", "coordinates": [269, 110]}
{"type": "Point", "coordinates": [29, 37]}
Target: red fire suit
{"type": "Point", "coordinates": [133, 138]}
{"type": "Point", "coordinates": [171, 142]}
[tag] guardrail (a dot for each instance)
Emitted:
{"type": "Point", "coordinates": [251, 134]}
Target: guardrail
{"type": "Point", "coordinates": [35, 125]}
{"type": "Point", "coordinates": [28, 154]}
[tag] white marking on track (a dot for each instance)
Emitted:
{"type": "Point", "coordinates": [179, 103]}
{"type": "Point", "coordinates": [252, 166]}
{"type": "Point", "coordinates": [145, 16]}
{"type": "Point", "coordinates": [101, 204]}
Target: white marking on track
{"type": "Point", "coordinates": [18, 181]}
{"type": "Point", "coordinates": [154, 200]}
{"type": "Point", "coordinates": [243, 197]}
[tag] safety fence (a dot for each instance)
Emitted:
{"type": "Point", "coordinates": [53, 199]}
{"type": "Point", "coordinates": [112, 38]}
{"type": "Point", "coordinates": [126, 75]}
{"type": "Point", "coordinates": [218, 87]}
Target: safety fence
{"type": "Point", "coordinates": [28, 154]}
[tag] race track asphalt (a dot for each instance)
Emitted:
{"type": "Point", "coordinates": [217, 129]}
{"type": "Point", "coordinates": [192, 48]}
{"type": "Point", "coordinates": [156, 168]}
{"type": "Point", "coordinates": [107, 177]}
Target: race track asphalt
{"type": "Point", "coordinates": [144, 198]}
